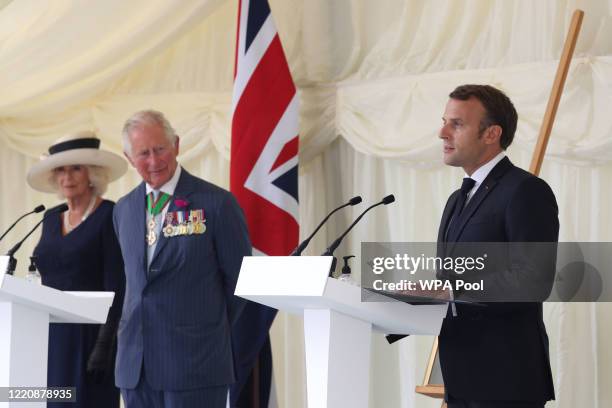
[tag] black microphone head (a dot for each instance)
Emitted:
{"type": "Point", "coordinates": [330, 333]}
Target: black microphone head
{"type": "Point", "coordinates": [40, 208]}
{"type": "Point", "coordinates": [355, 200]}
{"type": "Point", "coordinates": [61, 208]}
{"type": "Point", "coordinates": [388, 199]}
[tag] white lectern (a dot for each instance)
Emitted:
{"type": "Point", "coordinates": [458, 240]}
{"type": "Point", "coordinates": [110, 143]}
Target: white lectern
{"type": "Point", "coordinates": [26, 309]}
{"type": "Point", "coordinates": [337, 324]}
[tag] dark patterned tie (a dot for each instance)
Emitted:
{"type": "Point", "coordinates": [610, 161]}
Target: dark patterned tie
{"type": "Point", "coordinates": [466, 187]}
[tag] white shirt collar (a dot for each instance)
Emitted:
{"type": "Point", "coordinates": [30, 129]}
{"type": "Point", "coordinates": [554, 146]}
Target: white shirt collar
{"type": "Point", "coordinates": [483, 171]}
{"type": "Point", "coordinates": [170, 185]}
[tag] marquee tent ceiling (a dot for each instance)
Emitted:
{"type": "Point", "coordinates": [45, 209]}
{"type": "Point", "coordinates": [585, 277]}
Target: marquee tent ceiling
{"type": "Point", "coordinates": [375, 73]}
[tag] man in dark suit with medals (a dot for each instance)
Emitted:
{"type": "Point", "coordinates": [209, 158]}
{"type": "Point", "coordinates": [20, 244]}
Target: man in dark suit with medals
{"type": "Point", "coordinates": [494, 356]}
{"type": "Point", "coordinates": [182, 240]}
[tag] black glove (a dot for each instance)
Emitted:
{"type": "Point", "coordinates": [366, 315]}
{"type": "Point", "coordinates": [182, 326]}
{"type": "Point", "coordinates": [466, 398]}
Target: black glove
{"type": "Point", "coordinates": [101, 361]}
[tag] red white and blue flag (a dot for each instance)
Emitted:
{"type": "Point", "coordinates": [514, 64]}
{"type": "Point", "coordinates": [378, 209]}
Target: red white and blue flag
{"type": "Point", "coordinates": [263, 171]}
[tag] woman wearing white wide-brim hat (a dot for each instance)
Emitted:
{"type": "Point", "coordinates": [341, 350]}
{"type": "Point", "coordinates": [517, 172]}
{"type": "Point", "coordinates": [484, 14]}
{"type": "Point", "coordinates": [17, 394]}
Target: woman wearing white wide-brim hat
{"type": "Point", "coordinates": [78, 251]}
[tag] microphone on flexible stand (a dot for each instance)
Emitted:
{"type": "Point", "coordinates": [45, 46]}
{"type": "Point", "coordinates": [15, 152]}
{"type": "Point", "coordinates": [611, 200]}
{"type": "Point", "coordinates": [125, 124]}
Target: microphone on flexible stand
{"type": "Point", "coordinates": [330, 249]}
{"type": "Point", "coordinates": [12, 263]}
{"type": "Point", "coordinates": [298, 251]}
{"type": "Point", "coordinates": [38, 209]}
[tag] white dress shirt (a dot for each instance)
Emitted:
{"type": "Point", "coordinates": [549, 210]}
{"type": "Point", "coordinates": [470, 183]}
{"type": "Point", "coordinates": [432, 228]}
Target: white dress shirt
{"type": "Point", "coordinates": [482, 172]}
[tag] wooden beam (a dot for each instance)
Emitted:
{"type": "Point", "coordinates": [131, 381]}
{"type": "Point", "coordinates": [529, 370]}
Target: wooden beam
{"type": "Point", "coordinates": [432, 390]}
{"type": "Point", "coordinates": [555, 94]}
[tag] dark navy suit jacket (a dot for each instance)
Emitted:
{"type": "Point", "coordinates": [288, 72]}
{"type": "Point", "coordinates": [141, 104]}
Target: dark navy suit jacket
{"type": "Point", "coordinates": [177, 315]}
{"type": "Point", "coordinates": [500, 352]}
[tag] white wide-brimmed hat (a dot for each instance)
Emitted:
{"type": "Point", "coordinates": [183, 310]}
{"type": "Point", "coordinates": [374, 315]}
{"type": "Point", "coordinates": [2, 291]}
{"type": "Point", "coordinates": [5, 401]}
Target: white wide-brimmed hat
{"type": "Point", "coordinates": [79, 148]}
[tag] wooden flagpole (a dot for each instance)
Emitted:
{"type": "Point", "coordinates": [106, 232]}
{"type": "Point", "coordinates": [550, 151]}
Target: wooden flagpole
{"type": "Point", "coordinates": [437, 390]}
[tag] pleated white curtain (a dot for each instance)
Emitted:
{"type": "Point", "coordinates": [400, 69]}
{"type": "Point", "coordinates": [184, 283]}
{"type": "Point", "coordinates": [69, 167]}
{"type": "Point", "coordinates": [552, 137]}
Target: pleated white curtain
{"type": "Point", "coordinates": [373, 78]}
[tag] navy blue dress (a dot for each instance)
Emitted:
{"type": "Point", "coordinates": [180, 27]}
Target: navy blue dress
{"type": "Point", "coordinates": [86, 259]}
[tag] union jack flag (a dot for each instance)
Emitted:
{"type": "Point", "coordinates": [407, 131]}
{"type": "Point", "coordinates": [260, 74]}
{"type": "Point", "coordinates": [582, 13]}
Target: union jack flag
{"type": "Point", "coordinates": [264, 164]}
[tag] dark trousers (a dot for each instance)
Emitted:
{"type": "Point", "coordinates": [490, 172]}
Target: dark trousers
{"type": "Point", "coordinates": [143, 396]}
{"type": "Point", "coordinates": [456, 403]}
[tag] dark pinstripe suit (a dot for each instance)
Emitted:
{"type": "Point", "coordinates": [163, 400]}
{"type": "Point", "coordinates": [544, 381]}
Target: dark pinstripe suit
{"type": "Point", "coordinates": [177, 315]}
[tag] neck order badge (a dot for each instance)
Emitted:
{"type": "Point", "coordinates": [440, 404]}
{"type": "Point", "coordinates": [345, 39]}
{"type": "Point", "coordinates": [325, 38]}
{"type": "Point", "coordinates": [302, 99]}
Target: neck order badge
{"type": "Point", "coordinates": [155, 207]}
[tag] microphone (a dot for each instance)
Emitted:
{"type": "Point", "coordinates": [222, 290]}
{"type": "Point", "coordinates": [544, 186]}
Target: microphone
{"type": "Point", "coordinates": [298, 251]}
{"type": "Point", "coordinates": [11, 252]}
{"type": "Point", "coordinates": [330, 250]}
{"type": "Point", "coordinates": [38, 209]}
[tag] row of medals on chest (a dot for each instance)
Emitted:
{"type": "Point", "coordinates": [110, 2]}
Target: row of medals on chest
{"type": "Point", "coordinates": [194, 224]}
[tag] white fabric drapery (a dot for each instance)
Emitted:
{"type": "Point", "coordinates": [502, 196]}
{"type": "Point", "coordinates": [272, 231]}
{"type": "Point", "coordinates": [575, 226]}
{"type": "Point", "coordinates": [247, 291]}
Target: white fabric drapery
{"type": "Point", "coordinates": [373, 78]}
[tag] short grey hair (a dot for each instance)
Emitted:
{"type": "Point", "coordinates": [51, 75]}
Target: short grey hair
{"type": "Point", "coordinates": [146, 117]}
{"type": "Point", "coordinates": [98, 180]}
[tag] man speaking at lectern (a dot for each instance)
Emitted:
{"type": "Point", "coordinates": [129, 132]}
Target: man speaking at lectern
{"type": "Point", "coordinates": [494, 356]}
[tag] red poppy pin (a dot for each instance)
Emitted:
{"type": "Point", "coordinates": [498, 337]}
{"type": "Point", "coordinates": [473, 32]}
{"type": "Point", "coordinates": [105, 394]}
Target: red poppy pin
{"type": "Point", "coordinates": [181, 203]}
